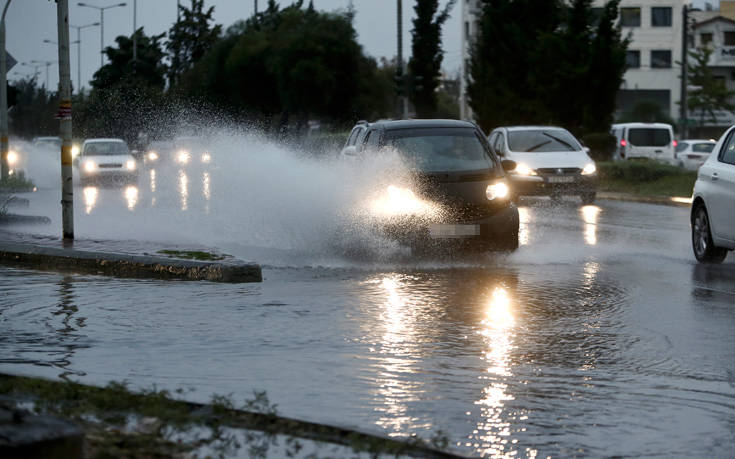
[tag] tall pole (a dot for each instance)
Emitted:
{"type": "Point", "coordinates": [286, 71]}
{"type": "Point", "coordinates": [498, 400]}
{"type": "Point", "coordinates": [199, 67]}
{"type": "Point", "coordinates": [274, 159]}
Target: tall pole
{"type": "Point", "coordinates": [399, 63]}
{"type": "Point", "coordinates": [102, 36]}
{"type": "Point", "coordinates": [79, 60]}
{"type": "Point", "coordinates": [256, 7]}
{"type": "Point", "coordinates": [4, 166]}
{"type": "Point", "coordinates": [67, 185]}
{"type": "Point", "coordinates": [135, 35]}
{"type": "Point", "coordinates": [684, 59]}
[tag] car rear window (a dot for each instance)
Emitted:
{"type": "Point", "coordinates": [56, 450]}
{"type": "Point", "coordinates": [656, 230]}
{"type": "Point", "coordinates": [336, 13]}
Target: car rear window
{"type": "Point", "coordinates": [649, 137]}
{"type": "Point", "coordinates": [542, 140]}
{"type": "Point", "coordinates": [703, 147]}
{"type": "Point", "coordinates": [681, 146]}
{"type": "Point", "coordinates": [441, 149]}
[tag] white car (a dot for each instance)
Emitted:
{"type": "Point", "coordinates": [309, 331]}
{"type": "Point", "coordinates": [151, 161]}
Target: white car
{"type": "Point", "coordinates": [106, 160]}
{"type": "Point", "coordinates": [549, 161]}
{"type": "Point", "coordinates": [691, 154]}
{"type": "Point", "coordinates": [645, 141]}
{"type": "Point", "coordinates": [712, 217]}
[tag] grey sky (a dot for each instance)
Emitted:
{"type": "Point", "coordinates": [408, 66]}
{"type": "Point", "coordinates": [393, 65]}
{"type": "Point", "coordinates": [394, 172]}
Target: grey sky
{"type": "Point", "coordinates": [29, 22]}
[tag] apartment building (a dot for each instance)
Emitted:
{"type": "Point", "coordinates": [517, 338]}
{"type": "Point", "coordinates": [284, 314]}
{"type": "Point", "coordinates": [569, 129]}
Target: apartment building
{"type": "Point", "coordinates": [655, 27]}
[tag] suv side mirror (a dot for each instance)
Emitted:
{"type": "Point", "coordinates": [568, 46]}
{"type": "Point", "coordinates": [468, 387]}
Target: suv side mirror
{"type": "Point", "coordinates": [350, 151]}
{"type": "Point", "coordinates": [508, 165]}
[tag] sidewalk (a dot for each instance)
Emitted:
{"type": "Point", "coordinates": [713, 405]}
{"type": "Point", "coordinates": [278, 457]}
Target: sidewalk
{"type": "Point", "coordinates": [661, 200]}
{"type": "Point", "coordinates": [133, 259]}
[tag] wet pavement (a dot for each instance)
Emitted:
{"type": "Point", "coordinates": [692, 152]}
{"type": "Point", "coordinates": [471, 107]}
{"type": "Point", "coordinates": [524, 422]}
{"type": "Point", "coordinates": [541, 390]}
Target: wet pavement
{"type": "Point", "coordinates": [600, 336]}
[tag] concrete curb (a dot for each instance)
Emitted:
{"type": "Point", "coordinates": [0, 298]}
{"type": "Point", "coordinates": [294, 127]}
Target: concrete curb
{"type": "Point", "coordinates": [660, 200]}
{"type": "Point", "coordinates": [124, 265]}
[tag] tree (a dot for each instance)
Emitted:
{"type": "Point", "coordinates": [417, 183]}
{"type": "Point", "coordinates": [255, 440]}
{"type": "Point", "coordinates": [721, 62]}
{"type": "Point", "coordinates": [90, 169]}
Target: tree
{"type": "Point", "coordinates": [546, 62]}
{"type": "Point", "coordinates": [711, 94]}
{"type": "Point", "coordinates": [34, 110]}
{"type": "Point", "coordinates": [148, 70]}
{"type": "Point", "coordinates": [190, 38]}
{"type": "Point", "coordinates": [424, 68]}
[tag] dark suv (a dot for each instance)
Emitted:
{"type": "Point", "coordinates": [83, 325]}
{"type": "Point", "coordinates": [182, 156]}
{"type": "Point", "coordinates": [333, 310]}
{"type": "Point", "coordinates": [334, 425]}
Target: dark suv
{"type": "Point", "coordinates": [458, 194]}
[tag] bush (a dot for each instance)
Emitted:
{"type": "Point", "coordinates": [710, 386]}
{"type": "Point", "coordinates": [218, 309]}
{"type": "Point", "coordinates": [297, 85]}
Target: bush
{"type": "Point", "coordinates": [17, 183]}
{"type": "Point", "coordinates": [601, 144]}
{"type": "Point", "coordinates": [638, 171]}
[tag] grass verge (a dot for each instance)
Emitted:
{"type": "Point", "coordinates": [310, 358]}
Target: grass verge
{"type": "Point", "coordinates": [118, 422]}
{"type": "Point", "coordinates": [17, 183]}
{"type": "Point", "coordinates": [645, 178]}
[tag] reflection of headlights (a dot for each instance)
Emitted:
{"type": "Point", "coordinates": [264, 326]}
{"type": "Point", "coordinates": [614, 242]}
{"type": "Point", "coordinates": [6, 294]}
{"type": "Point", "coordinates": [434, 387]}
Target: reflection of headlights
{"type": "Point", "coordinates": [206, 157]}
{"type": "Point", "coordinates": [497, 190]}
{"type": "Point", "coordinates": [589, 169]}
{"type": "Point", "coordinates": [130, 165]}
{"type": "Point", "coordinates": [152, 155]}
{"type": "Point", "coordinates": [522, 169]}
{"type": "Point", "coordinates": [182, 157]}
{"type": "Point", "coordinates": [90, 166]}
{"type": "Point", "coordinates": [12, 158]}
{"type": "Point", "coordinates": [74, 151]}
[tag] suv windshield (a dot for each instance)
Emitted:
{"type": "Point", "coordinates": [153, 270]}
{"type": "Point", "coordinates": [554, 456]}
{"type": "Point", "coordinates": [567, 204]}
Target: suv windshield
{"type": "Point", "coordinates": [106, 149]}
{"type": "Point", "coordinates": [649, 137]}
{"type": "Point", "coordinates": [441, 149]}
{"type": "Point", "coordinates": [542, 140]}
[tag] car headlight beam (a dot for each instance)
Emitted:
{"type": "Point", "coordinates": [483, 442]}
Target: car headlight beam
{"type": "Point", "coordinates": [182, 156]}
{"type": "Point", "coordinates": [90, 166]}
{"type": "Point", "coordinates": [12, 158]}
{"type": "Point", "coordinates": [522, 169]}
{"type": "Point", "coordinates": [152, 156]}
{"type": "Point", "coordinates": [589, 169]}
{"type": "Point", "coordinates": [130, 165]}
{"type": "Point", "coordinates": [206, 157]}
{"type": "Point", "coordinates": [497, 190]}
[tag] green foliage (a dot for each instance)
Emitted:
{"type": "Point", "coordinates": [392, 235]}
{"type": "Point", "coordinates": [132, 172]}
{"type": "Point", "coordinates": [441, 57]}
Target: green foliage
{"type": "Point", "coordinates": [645, 178]}
{"type": "Point", "coordinates": [17, 183]}
{"type": "Point", "coordinates": [712, 94]}
{"type": "Point", "coordinates": [190, 38]}
{"type": "Point", "coordinates": [545, 62]}
{"type": "Point", "coordinates": [639, 171]}
{"type": "Point", "coordinates": [33, 113]}
{"type": "Point", "coordinates": [602, 145]}
{"type": "Point", "coordinates": [425, 65]}
{"type": "Point", "coordinates": [646, 111]}
{"type": "Point", "coordinates": [122, 71]}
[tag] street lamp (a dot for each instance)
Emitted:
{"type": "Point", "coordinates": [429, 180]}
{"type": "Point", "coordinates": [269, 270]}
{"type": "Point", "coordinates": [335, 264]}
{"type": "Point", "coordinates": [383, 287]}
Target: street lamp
{"type": "Point", "coordinates": [102, 24]}
{"type": "Point", "coordinates": [47, 64]}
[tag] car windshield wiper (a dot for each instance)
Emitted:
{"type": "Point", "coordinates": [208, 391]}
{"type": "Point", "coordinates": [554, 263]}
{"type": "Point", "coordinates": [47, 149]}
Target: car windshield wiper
{"type": "Point", "coordinates": [569, 145]}
{"type": "Point", "coordinates": [536, 147]}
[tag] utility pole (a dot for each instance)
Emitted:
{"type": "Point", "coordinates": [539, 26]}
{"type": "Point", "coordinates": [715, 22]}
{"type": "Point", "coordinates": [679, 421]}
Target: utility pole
{"type": "Point", "coordinates": [135, 34]}
{"type": "Point", "coordinates": [67, 184]}
{"type": "Point", "coordinates": [683, 105]}
{"type": "Point", "coordinates": [400, 77]}
{"type": "Point", "coordinates": [256, 7]}
{"type": "Point", "coordinates": [4, 166]}
{"type": "Point", "coordinates": [102, 25]}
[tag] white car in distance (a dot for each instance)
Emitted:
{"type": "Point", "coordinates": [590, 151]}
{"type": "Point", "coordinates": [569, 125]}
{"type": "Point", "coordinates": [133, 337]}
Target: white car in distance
{"type": "Point", "coordinates": [712, 215]}
{"type": "Point", "coordinates": [106, 160]}
{"type": "Point", "coordinates": [691, 154]}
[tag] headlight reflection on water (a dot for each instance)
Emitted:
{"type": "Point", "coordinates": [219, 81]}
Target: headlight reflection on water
{"type": "Point", "coordinates": [590, 215]}
{"type": "Point", "coordinates": [131, 195]}
{"type": "Point", "coordinates": [90, 198]}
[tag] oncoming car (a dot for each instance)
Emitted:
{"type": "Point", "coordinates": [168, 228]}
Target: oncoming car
{"type": "Point", "coordinates": [158, 151]}
{"type": "Point", "coordinates": [549, 161]}
{"type": "Point", "coordinates": [106, 160]}
{"type": "Point", "coordinates": [712, 216]}
{"type": "Point", "coordinates": [191, 150]}
{"type": "Point", "coordinates": [458, 196]}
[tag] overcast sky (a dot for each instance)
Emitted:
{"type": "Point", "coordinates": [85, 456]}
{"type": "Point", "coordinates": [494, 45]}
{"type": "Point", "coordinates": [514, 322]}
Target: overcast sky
{"type": "Point", "coordinates": [29, 22]}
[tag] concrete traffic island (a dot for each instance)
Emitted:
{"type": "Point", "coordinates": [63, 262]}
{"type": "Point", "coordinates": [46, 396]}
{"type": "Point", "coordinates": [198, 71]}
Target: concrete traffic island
{"type": "Point", "coordinates": [126, 265]}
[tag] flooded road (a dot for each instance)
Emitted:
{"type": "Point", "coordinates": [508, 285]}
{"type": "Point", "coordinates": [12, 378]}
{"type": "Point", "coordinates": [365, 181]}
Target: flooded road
{"type": "Point", "coordinates": [600, 337]}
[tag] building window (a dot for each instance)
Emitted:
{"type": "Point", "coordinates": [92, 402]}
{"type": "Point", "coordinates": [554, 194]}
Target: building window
{"type": "Point", "coordinates": [661, 16]}
{"type": "Point", "coordinates": [705, 38]}
{"type": "Point", "coordinates": [661, 59]}
{"type": "Point", "coordinates": [630, 17]}
{"type": "Point", "coordinates": [729, 38]}
{"type": "Point", "coordinates": [633, 59]}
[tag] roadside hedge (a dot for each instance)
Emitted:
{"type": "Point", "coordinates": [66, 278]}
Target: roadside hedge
{"type": "Point", "coordinates": [601, 144]}
{"type": "Point", "coordinates": [639, 171]}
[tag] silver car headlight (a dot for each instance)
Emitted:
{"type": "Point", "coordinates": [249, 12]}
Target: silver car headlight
{"type": "Point", "coordinates": [522, 169]}
{"type": "Point", "coordinates": [589, 169]}
{"type": "Point", "coordinates": [130, 165]}
{"type": "Point", "coordinates": [90, 166]}
{"type": "Point", "coordinates": [497, 190]}
{"type": "Point", "coordinates": [12, 158]}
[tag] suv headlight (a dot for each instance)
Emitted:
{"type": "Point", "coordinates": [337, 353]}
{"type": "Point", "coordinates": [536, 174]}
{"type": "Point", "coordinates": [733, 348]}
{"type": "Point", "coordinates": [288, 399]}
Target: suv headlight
{"type": "Point", "coordinates": [497, 190]}
{"type": "Point", "coordinates": [589, 169]}
{"type": "Point", "coordinates": [12, 158]}
{"type": "Point", "coordinates": [90, 166]}
{"type": "Point", "coordinates": [130, 165]}
{"type": "Point", "coordinates": [522, 169]}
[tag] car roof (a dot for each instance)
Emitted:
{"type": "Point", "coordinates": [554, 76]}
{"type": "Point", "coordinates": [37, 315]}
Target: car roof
{"type": "Point", "coordinates": [638, 125]}
{"type": "Point", "coordinates": [699, 140]}
{"type": "Point", "coordinates": [103, 140]}
{"type": "Point", "coordinates": [532, 128]}
{"type": "Point", "coordinates": [438, 123]}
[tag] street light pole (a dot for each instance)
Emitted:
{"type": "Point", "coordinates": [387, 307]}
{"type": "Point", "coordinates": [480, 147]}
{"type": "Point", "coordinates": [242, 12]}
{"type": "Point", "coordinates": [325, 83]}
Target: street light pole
{"type": "Point", "coordinates": [47, 64]}
{"type": "Point", "coordinates": [4, 166]}
{"type": "Point", "coordinates": [135, 35]}
{"type": "Point", "coordinates": [102, 25]}
{"type": "Point", "coordinates": [67, 184]}
{"type": "Point", "coordinates": [79, 53]}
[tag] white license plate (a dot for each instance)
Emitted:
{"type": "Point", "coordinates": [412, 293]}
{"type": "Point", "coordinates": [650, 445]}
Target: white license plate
{"type": "Point", "coordinates": [445, 231]}
{"type": "Point", "coordinates": [560, 179]}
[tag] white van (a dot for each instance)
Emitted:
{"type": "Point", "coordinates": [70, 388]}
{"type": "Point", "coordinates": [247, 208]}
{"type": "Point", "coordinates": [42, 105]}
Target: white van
{"type": "Point", "coordinates": [645, 140]}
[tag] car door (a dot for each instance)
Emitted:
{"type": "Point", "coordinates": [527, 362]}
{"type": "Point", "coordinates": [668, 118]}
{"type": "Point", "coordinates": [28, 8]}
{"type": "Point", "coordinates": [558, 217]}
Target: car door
{"type": "Point", "coordinates": [721, 199]}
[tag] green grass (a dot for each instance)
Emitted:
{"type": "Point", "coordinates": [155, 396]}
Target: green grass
{"type": "Point", "coordinates": [17, 183]}
{"type": "Point", "coordinates": [194, 255]}
{"type": "Point", "coordinates": [645, 178]}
